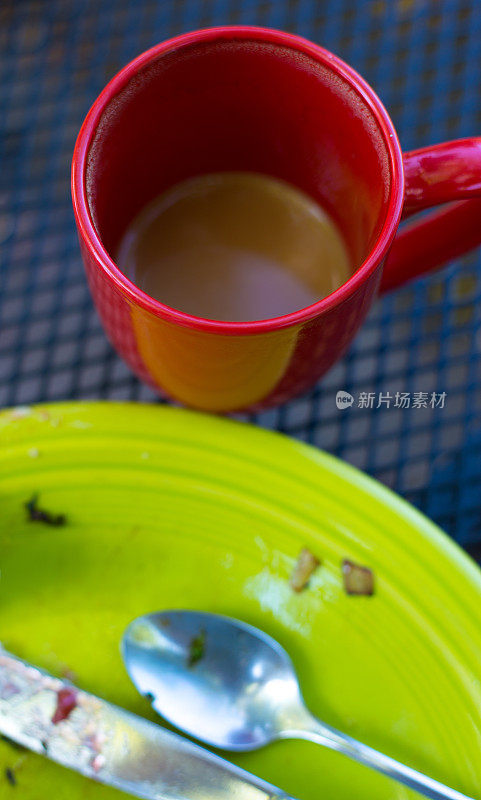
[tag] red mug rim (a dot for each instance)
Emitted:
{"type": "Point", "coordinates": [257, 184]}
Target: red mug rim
{"type": "Point", "coordinates": [149, 304]}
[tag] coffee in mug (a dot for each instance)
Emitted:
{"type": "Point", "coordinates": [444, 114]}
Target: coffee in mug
{"type": "Point", "coordinates": [236, 246]}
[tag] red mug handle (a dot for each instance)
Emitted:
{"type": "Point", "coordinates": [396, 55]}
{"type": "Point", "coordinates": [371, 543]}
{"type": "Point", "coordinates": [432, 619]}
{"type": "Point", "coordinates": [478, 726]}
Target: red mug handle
{"type": "Point", "coordinates": [433, 175]}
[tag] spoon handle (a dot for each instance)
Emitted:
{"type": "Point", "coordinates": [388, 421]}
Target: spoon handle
{"type": "Point", "coordinates": [319, 732]}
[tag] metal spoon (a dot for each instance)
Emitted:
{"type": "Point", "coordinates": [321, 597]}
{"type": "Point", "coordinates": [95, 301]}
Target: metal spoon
{"type": "Point", "coordinates": [233, 687]}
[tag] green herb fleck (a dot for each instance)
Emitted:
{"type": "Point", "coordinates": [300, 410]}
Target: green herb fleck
{"type": "Point", "coordinates": [36, 514]}
{"type": "Point", "coordinates": [197, 648]}
{"type": "Point", "coordinates": [10, 776]}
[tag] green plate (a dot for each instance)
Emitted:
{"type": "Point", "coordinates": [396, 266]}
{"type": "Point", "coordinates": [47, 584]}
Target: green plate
{"type": "Point", "coordinates": [168, 508]}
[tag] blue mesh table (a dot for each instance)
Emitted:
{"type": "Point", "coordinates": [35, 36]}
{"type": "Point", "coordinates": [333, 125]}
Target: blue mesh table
{"type": "Point", "coordinates": [423, 57]}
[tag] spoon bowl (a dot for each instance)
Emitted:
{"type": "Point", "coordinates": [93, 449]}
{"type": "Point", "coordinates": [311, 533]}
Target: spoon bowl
{"type": "Point", "coordinates": [220, 680]}
{"type": "Point", "coordinates": [232, 686]}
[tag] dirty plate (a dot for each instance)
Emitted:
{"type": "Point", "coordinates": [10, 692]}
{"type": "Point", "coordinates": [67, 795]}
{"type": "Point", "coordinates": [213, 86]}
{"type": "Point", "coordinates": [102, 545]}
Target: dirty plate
{"type": "Point", "coordinates": [168, 509]}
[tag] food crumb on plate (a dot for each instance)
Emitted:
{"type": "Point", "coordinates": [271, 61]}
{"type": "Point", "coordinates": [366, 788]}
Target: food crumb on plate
{"type": "Point", "coordinates": [305, 565]}
{"type": "Point", "coordinates": [36, 514]}
{"type": "Point", "coordinates": [10, 776]}
{"type": "Point", "coordinates": [358, 579]}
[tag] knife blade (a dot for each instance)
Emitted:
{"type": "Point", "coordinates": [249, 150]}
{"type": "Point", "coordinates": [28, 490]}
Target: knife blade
{"type": "Point", "coordinates": [102, 741]}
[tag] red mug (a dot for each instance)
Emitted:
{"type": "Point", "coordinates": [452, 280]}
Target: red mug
{"type": "Point", "coordinates": [245, 98]}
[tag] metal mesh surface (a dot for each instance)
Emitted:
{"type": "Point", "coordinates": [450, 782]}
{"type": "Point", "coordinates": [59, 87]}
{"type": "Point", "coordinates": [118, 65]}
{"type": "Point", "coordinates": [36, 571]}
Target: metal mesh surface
{"type": "Point", "coordinates": [423, 57]}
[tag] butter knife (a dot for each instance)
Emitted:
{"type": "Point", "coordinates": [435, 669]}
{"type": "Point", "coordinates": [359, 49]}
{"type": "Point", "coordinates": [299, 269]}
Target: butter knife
{"type": "Point", "coordinates": [78, 730]}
